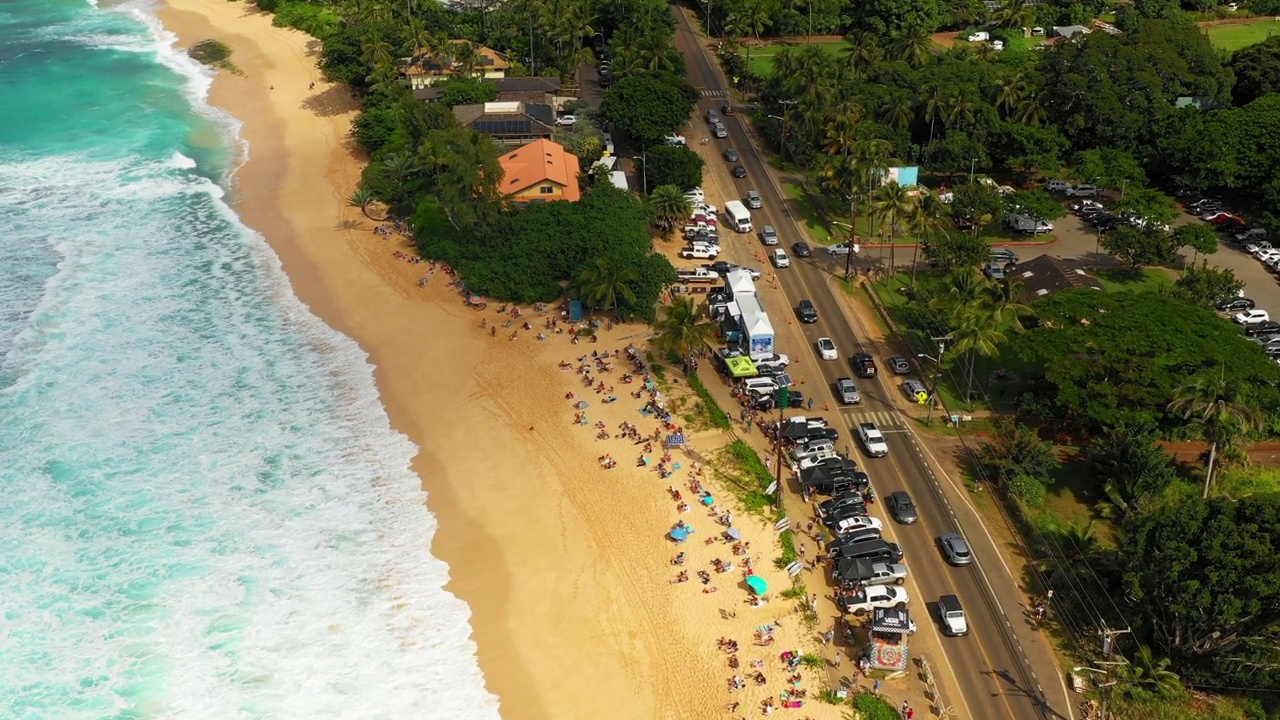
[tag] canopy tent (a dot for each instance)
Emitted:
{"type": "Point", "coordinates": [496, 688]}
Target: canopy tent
{"type": "Point", "coordinates": [575, 311]}
{"type": "Point", "coordinates": [757, 584]}
{"type": "Point", "coordinates": [738, 282]}
{"type": "Point", "coordinates": [734, 533]}
{"type": "Point", "coordinates": [894, 621]}
{"type": "Point", "coordinates": [852, 570]}
{"type": "Point", "coordinates": [741, 367]}
{"type": "Point", "coordinates": [755, 324]}
{"type": "Point", "coordinates": [675, 440]}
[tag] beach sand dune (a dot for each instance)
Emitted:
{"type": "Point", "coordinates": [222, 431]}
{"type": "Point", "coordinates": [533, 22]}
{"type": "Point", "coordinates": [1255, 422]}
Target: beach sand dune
{"type": "Point", "coordinates": [564, 564]}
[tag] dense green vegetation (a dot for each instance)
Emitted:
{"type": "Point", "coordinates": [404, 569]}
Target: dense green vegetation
{"type": "Point", "coordinates": [425, 166]}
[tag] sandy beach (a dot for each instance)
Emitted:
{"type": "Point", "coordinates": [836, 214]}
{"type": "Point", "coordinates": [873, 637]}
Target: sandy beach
{"type": "Point", "coordinates": [564, 564]}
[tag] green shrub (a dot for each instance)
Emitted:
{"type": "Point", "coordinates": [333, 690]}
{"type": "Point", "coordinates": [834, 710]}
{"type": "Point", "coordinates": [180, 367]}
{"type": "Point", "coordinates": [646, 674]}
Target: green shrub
{"type": "Point", "coordinates": [874, 707]}
{"type": "Point", "coordinates": [718, 417]}
{"type": "Point", "coordinates": [1027, 490]}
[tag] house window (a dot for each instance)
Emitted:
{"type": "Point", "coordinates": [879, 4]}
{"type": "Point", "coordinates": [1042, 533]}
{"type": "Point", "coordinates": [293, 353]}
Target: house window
{"type": "Point", "coordinates": [546, 189]}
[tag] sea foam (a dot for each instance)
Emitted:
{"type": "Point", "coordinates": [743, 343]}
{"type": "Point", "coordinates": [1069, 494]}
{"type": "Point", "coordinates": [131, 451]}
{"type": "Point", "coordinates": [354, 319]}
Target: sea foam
{"type": "Point", "coordinates": [206, 513]}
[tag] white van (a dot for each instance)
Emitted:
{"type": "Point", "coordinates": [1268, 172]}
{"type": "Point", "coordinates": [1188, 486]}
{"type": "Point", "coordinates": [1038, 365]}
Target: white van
{"type": "Point", "coordinates": [980, 36]}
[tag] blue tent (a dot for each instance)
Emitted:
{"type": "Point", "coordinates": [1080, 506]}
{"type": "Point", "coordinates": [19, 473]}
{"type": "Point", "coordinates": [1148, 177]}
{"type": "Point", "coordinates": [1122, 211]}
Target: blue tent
{"type": "Point", "coordinates": [575, 311]}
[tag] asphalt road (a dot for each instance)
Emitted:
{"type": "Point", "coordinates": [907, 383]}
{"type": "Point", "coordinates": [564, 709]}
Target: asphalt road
{"type": "Point", "coordinates": [994, 675]}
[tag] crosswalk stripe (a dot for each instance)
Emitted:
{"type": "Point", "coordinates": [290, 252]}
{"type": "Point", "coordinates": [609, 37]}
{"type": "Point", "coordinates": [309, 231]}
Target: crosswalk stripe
{"type": "Point", "coordinates": [882, 419]}
{"type": "Point", "coordinates": [712, 93]}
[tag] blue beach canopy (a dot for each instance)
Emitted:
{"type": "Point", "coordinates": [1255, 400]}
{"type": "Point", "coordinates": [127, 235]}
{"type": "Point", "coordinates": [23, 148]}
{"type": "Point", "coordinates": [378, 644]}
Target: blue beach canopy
{"type": "Point", "coordinates": [757, 584]}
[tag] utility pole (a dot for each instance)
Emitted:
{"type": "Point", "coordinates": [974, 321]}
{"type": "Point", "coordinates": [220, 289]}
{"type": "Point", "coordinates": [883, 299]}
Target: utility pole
{"type": "Point", "coordinates": [786, 107]}
{"type": "Point", "coordinates": [937, 374]}
{"type": "Point", "coordinates": [1109, 651]}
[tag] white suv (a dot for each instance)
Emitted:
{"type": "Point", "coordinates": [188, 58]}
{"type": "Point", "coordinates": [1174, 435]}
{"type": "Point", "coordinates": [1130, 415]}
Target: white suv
{"type": "Point", "coordinates": [1083, 191]}
{"type": "Point", "coordinates": [873, 440]}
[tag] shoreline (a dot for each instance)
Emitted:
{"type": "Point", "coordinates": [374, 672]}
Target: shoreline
{"type": "Point", "coordinates": [563, 565]}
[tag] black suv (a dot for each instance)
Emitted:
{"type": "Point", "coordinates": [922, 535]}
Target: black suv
{"type": "Point", "coordinates": [863, 365]}
{"type": "Point", "coordinates": [806, 312]}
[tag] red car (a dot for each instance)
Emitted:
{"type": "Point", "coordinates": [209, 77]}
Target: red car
{"type": "Point", "coordinates": [728, 110]}
{"type": "Point", "coordinates": [1224, 218]}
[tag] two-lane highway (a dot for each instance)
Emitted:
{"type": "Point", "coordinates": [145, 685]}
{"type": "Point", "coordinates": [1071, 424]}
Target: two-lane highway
{"type": "Point", "coordinates": [991, 669]}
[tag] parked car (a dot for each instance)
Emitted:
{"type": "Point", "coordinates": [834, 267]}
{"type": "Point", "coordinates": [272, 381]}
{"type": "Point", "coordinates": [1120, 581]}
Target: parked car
{"type": "Point", "coordinates": [1252, 235]}
{"type": "Point", "coordinates": [900, 505]}
{"type": "Point", "coordinates": [898, 364]}
{"type": "Point", "coordinates": [753, 200]}
{"type": "Point", "coordinates": [699, 252]}
{"type": "Point", "coordinates": [980, 36]}
{"type": "Point", "coordinates": [768, 235]}
{"type": "Point", "coordinates": [1057, 186]}
{"type": "Point", "coordinates": [1234, 304]}
{"type": "Point", "coordinates": [829, 509]}
{"type": "Point", "coordinates": [739, 171]}
{"type": "Point", "coordinates": [1088, 191]}
{"type": "Point", "coordinates": [838, 249]}
{"type": "Point", "coordinates": [731, 155]}
{"type": "Point", "coordinates": [870, 573]}
{"type": "Point", "coordinates": [872, 440]}
{"type": "Point", "coordinates": [864, 366]}
{"type": "Point", "coordinates": [912, 389]}
{"type": "Point", "coordinates": [875, 550]}
{"type": "Point", "coordinates": [1003, 255]}
{"type": "Point", "coordinates": [955, 549]}
{"type": "Point", "coordinates": [847, 391]}
{"type": "Point", "coordinates": [951, 616]}
{"type": "Point", "coordinates": [566, 120]}
{"type": "Point", "coordinates": [801, 250]}
{"type": "Point", "coordinates": [827, 346]}
{"type": "Point", "coordinates": [807, 312]}
{"type": "Point", "coordinates": [1225, 219]}
{"type": "Point", "coordinates": [724, 268]}
{"type": "Point", "coordinates": [1212, 215]}
{"type": "Point", "coordinates": [676, 140]}
{"type": "Point", "coordinates": [875, 596]}
{"type": "Point", "coordinates": [1250, 317]}
{"type": "Point", "coordinates": [1260, 329]}
{"type": "Point", "coordinates": [1085, 206]}
{"type": "Point", "coordinates": [775, 359]}
{"type": "Point", "coordinates": [994, 271]}
{"type": "Point", "coordinates": [780, 259]}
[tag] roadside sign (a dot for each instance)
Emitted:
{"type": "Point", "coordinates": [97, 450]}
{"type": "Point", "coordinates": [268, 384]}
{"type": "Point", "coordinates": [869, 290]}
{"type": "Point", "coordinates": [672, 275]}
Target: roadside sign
{"type": "Point", "coordinates": [922, 397]}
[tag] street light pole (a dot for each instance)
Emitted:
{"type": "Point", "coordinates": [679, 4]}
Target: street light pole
{"type": "Point", "coordinates": [937, 374]}
{"type": "Point", "coordinates": [848, 258]}
{"type": "Point", "coordinates": [644, 170]}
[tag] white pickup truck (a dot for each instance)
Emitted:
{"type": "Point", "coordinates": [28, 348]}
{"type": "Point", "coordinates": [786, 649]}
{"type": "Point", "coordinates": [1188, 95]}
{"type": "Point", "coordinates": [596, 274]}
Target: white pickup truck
{"type": "Point", "coordinates": [875, 596]}
{"type": "Point", "coordinates": [697, 275]}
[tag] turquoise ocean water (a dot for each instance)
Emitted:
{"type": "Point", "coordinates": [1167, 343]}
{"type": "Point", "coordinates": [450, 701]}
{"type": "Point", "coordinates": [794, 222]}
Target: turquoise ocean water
{"type": "Point", "coordinates": [203, 510]}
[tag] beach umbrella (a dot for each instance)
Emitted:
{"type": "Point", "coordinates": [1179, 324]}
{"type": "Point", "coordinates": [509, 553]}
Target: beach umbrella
{"type": "Point", "coordinates": [757, 584]}
{"type": "Point", "coordinates": [708, 500]}
{"type": "Point", "coordinates": [679, 534]}
{"type": "Point", "coordinates": [734, 534]}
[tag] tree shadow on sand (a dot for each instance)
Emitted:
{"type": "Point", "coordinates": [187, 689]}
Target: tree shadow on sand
{"type": "Point", "coordinates": [332, 100]}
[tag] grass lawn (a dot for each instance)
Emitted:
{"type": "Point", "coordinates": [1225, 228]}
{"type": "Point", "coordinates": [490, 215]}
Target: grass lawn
{"type": "Point", "coordinates": [803, 206]}
{"type": "Point", "coordinates": [762, 55]}
{"type": "Point", "coordinates": [1125, 280]}
{"type": "Point", "coordinates": [1234, 36]}
{"type": "Point", "coordinates": [1240, 481]}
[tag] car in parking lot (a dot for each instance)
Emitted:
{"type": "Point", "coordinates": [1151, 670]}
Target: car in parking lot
{"type": "Point", "coordinates": [847, 391]}
{"type": "Point", "coordinates": [1249, 317]}
{"type": "Point", "coordinates": [768, 235]}
{"type": "Point", "coordinates": [951, 615]}
{"type": "Point", "coordinates": [864, 366]}
{"type": "Point", "coordinates": [723, 268]}
{"type": "Point", "coordinates": [913, 388]}
{"type": "Point", "coordinates": [1269, 327]}
{"type": "Point", "coordinates": [828, 508]}
{"type": "Point", "coordinates": [566, 120]}
{"type": "Point", "coordinates": [801, 250]}
{"type": "Point", "coordinates": [1234, 304]}
{"type": "Point", "coordinates": [877, 549]}
{"type": "Point", "coordinates": [875, 596]}
{"type": "Point", "coordinates": [780, 259]}
{"type": "Point", "coordinates": [872, 439]}
{"type": "Point", "coordinates": [1003, 256]}
{"type": "Point", "coordinates": [807, 312]}
{"type": "Point", "coordinates": [955, 549]}
{"type": "Point", "coordinates": [1057, 186]}
{"type": "Point", "coordinates": [826, 346]}
{"type": "Point", "coordinates": [993, 270]}
{"type": "Point", "coordinates": [900, 506]}
{"type": "Point", "coordinates": [731, 155]}
{"type": "Point", "coordinates": [739, 171]}
{"type": "Point", "coordinates": [1088, 191]}
{"type": "Point", "coordinates": [898, 364]}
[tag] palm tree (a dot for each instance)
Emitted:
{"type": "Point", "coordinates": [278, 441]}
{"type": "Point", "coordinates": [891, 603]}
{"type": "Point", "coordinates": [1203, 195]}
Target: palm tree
{"type": "Point", "coordinates": [1031, 112]}
{"type": "Point", "coordinates": [892, 204]}
{"type": "Point", "coordinates": [362, 198]}
{"type": "Point", "coordinates": [1221, 409]}
{"type": "Point", "coordinates": [897, 111]}
{"type": "Point", "coordinates": [934, 104]}
{"type": "Point", "coordinates": [398, 167]}
{"type": "Point", "coordinates": [684, 328]}
{"type": "Point", "coordinates": [958, 108]}
{"type": "Point", "coordinates": [1009, 93]}
{"type": "Point", "coordinates": [1145, 673]}
{"type": "Point", "coordinates": [977, 335]}
{"type": "Point", "coordinates": [1003, 301]}
{"type": "Point", "coordinates": [862, 53]}
{"type": "Point", "coordinates": [1015, 14]}
{"type": "Point", "coordinates": [1077, 541]}
{"type": "Point", "coordinates": [669, 206]}
{"type": "Point", "coordinates": [925, 221]}
{"type": "Point", "coordinates": [606, 285]}
{"type": "Point", "coordinates": [913, 46]}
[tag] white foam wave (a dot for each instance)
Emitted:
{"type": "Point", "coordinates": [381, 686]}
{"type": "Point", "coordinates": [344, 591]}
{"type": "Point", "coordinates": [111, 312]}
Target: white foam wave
{"type": "Point", "coordinates": [207, 513]}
